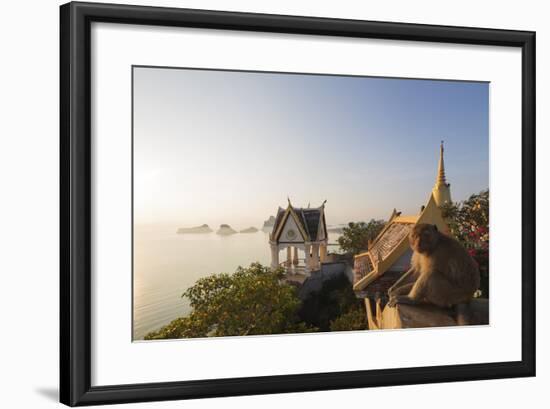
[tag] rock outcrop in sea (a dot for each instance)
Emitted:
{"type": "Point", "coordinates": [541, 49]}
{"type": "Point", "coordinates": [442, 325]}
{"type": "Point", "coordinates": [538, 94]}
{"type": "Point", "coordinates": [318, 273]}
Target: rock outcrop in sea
{"type": "Point", "coordinates": [195, 230]}
{"type": "Point", "coordinates": [225, 230]}
{"type": "Point", "coordinates": [249, 230]}
{"type": "Point", "coordinates": [269, 222]}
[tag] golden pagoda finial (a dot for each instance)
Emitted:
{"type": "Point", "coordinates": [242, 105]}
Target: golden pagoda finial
{"type": "Point", "coordinates": [441, 168]}
{"type": "Point", "coordinates": [442, 190]}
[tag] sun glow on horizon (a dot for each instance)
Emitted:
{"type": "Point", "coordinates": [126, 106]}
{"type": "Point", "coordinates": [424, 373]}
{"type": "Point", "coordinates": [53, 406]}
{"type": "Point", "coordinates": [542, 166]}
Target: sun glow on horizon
{"type": "Point", "coordinates": [229, 147]}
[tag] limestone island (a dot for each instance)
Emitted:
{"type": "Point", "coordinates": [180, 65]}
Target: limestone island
{"type": "Point", "coordinates": [249, 230]}
{"type": "Point", "coordinates": [269, 222]}
{"type": "Point", "coordinates": [195, 230]}
{"type": "Point", "coordinates": [225, 230]}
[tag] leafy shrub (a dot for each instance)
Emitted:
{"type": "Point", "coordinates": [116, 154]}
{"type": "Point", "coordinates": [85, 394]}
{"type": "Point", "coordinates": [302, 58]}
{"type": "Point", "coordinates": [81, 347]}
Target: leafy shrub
{"type": "Point", "coordinates": [334, 298]}
{"type": "Point", "coordinates": [469, 223]}
{"type": "Point", "coordinates": [353, 320]}
{"type": "Point", "coordinates": [251, 301]}
{"type": "Point", "coordinates": [355, 237]}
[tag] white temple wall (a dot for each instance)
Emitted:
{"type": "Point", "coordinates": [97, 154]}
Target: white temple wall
{"type": "Point", "coordinates": [291, 225]}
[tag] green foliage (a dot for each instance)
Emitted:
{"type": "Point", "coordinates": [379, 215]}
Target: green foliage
{"type": "Point", "coordinates": [469, 223]}
{"type": "Point", "coordinates": [355, 237]}
{"type": "Point", "coordinates": [469, 220]}
{"type": "Point", "coordinates": [251, 301]}
{"type": "Point", "coordinates": [353, 320]}
{"type": "Point", "coordinates": [334, 298]}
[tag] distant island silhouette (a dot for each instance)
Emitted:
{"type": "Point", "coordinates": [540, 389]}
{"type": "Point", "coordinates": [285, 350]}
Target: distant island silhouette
{"type": "Point", "coordinates": [249, 230]}
{"type": "Point", "coordinates": [195, 230]}
{"type": "Point", "coordinates": [269, 222]}
{"type": "Point", "coordinates": [225, 230]}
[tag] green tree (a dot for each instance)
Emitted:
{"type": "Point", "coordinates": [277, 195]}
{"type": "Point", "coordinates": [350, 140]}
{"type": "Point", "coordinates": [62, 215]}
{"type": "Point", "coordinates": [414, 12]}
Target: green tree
{"type": "Point", "coordinates": [327, 302]}
{"type": "Point", "coordinates": [469, 223]}
{"type": "Point", "coordinates": [354, 320]}
{"type": "Point", "coordinates": [252, 301]}
{"type": "Point", "coordinates": [355, 237]}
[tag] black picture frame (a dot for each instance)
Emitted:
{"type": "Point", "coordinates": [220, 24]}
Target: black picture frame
{"type": "Point", "coordinates": [75, 203]}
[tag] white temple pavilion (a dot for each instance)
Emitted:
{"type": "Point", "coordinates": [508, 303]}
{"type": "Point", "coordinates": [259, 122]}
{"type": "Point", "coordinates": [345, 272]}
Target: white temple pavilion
{"type": "Point", "coordinates": [302, 229]}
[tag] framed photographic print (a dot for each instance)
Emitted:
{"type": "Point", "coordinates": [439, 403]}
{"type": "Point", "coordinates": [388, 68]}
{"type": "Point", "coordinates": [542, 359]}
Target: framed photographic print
{"type": "Point", "coordinates": [261, 203]}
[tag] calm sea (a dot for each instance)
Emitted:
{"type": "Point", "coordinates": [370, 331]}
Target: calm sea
{"type": "Point", "coordinates": [166, 264]}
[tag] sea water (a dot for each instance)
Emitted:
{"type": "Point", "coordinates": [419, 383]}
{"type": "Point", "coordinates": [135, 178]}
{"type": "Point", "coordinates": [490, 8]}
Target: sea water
{"type": "Point", "coordinates": [167, 263]}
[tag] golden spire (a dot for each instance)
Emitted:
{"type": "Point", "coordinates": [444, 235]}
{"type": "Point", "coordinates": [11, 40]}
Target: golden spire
{"type": "Point", "coordinates": [441, 168]}
{"type": "Point", "coordinates": [442, 189]}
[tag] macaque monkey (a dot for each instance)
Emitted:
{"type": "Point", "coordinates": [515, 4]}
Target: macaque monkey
{"type": "Point", "coordinates": [442, 272]}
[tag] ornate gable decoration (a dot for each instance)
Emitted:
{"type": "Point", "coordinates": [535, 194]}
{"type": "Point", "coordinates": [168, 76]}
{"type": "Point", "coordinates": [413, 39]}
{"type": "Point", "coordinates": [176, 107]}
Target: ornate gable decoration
{"type": "Point", "coordinates": [299, 225]}
{"type": "Point", "coordinates": [294, 231]}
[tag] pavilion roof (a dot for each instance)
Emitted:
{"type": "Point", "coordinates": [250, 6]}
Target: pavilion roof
{"type": "Point", "coordinates": [308, 220]}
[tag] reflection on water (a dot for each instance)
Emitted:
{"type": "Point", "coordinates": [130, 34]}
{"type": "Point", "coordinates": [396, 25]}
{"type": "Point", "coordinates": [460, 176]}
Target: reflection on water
{"type": "Point", "coordinates": [166, 264]}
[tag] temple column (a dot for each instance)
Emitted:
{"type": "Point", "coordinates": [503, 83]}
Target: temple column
{"type": "Point", "coordinates": [307, 251]}
{"type": "Point", "coordinates": [274, 256]}
{"type": "Point", "coordinates": [295, 258]}
{"type": "Point", "coordinates": [289, 257]}
{"type": "Point", "coordinates": [315, 257]}
{"type": "Point", "coordinates": [323, 252]}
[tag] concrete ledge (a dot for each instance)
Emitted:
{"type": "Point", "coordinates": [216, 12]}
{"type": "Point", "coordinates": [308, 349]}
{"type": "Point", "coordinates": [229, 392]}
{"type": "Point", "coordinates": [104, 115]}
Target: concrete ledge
{"type": "Point", "coordinates": [411, 316]}
{"type": "Point", "coordinates": [425, 316]}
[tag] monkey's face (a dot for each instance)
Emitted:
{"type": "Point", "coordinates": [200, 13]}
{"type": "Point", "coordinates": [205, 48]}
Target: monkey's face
{"type": "Point", "coordinates": [424, 238]}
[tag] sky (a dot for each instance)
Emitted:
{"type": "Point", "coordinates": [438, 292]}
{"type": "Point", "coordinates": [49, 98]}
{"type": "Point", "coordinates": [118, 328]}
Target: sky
{"type": "Point", "coordinates": [230, 146]}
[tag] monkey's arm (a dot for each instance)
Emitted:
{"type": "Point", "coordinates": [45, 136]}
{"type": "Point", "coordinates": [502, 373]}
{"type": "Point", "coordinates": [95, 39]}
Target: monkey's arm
{"type": "Point", "coordinates": [402, 299]}
{"type": "Point", "coordinates": [401, 290]}
{"type": "Point", "coordinates": [400, 287]}
{"type": "Point", "coordinates": [415, 296]}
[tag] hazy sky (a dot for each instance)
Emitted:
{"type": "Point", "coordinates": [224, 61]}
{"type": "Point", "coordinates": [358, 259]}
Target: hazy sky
{"type": "Point", "coordinates": [229, 147]}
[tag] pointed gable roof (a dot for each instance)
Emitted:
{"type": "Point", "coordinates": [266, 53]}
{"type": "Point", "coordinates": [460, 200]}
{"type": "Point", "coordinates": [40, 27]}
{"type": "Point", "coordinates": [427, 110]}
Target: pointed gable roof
{"type": "Point", "coordinates": [307, 219]}
{"type": "Point", "coordinates": [312, 220]}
